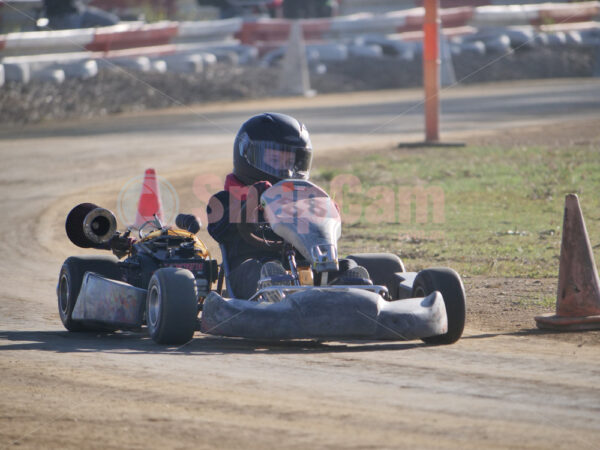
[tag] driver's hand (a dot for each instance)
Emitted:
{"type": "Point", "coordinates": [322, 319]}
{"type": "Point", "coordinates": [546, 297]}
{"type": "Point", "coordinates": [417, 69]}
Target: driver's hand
{"type": "Point", "coordinates": [253, 205]}
{"type": "Point", "coordinates": [261, 187]}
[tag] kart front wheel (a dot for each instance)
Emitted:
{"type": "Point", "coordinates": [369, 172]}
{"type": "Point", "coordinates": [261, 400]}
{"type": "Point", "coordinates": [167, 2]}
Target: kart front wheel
{"type": "Point", "coordinates": [171, 306]}
{"type": "Point", "coordinates": [449, 284]}
{"type": "Point", "coordinates": [383, 269]}
{"type": "Point", "coordinates": [69, 285]}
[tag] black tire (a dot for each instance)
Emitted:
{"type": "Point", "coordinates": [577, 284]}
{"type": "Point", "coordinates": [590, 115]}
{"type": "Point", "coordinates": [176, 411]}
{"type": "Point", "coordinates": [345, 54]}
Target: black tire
{"type": "Point", "coordinates": [69, 285]}
{"type": "Point", "coordinates": [381, 268]}
{"type": "Point", "coordinates": [449, 284]}
{"type": "Point", "coordinates": [171, 306]}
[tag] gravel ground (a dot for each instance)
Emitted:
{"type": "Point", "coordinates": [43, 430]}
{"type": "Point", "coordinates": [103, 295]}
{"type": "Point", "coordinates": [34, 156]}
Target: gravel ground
{"type": "Point", "coordinates": [503, 385]}
{"type": "Point", "coordinates": [115, 91]}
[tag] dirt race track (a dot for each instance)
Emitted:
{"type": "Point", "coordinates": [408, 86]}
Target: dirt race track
{"type": "Point", "coordinates": [500, 386]}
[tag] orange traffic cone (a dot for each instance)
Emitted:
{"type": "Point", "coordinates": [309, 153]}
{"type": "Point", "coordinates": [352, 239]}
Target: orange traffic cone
{"type": "Point", "coordinates": [578, 297]}
{"type": "Point", "coordinates": [149, 203]}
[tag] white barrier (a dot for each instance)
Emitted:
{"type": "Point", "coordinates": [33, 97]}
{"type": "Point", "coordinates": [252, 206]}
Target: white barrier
{"type": "Point", "coordinates": [178, 58]}
{"type": "Point", "coordinates": [502, 15]}
{"type": "Point", "coordinates": [511, 15]}
{"type": "Point", "coordinates": [134, 40]}
{"type": "Point", "coordinates": [185, 63]}
{"type": "Point", "coordinates": [209, 30]}
{"type": "Point", "coordinates": [138, 64]}
{"type": "Point", "coordinates": [123, 35]}
{"type": "Point", "coordinates": [46, 41]}
{"type": "Point", "coordinates": [365, 23]}
{"type": "Point", "coordinates": [17, 72]}
{"type": "Point", "coordinates": [82, 70]}
{"type": "Point", "coordinates": [136, 34]}
{"type": "Point", "coordinates": [49, 76]}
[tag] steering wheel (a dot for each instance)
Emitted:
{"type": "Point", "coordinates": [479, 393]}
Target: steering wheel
{"type": "Point", "coordinates": [254, 233]}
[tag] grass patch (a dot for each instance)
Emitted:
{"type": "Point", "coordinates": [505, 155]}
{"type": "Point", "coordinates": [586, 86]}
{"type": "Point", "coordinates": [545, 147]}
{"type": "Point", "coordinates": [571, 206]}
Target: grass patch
{"type": "Point", "coordinates": [547, 301]}
{"type": "Point", "coordinates": [481, 210]}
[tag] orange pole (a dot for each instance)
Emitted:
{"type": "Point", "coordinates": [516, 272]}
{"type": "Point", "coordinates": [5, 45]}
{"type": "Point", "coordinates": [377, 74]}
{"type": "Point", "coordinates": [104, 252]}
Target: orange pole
{"type": "Point", "coordinates": [431, 70]}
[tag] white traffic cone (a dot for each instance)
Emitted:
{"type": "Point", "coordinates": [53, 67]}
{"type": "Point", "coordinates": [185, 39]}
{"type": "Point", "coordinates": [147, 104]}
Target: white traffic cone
{"type": "Point", "coordinates": [294, 78]}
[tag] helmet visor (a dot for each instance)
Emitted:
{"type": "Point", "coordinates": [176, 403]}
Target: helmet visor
{"type": "Point", "coordinates": [280, 160]}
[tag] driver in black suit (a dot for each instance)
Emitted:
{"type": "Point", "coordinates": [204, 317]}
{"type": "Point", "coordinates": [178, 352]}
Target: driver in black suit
{"type": "Point", "coordinates": [268, 148]}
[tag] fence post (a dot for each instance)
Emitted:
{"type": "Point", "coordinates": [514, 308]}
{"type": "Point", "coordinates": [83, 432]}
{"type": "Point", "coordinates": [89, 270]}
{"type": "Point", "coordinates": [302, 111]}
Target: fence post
{"type": "Point", "coordinates": [431, 70]}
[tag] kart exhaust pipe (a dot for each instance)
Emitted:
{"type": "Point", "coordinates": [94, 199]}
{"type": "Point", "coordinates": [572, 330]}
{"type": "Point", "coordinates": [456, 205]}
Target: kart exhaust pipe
{"type": "Point", "coordinates": [99, 225]}
{"type": "Point", "coordinates": [88, 225]}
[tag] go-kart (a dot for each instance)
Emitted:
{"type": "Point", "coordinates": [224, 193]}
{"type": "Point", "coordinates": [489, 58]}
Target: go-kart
{"type": "Point", "coordinates": [162, 280]}
{"type": "Point", "coordinates": [392, 304]}
{"type": "Point", "coordinates": [167, 277]}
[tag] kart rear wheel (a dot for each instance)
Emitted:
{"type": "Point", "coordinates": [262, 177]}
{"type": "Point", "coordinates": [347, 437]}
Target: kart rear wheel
{"type": "Point", "coordinates": [171, 306]}
{"type": "Point", "coordinates": [449, 284]}
{"type": "Point", "coordinates": [69, 285]}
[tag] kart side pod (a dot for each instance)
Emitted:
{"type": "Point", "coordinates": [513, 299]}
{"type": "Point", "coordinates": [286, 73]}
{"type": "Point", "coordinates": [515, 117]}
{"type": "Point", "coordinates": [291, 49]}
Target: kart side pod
{"type": "Point", "coordinates": [109, 302]}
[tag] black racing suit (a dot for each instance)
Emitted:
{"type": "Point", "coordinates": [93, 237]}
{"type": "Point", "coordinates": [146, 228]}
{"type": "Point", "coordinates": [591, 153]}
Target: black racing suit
{"type": "Point", "coordinates": [244, 259]}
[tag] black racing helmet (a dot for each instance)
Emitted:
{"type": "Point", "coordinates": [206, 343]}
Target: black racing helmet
{"type": "Point", "coordinates": [271, 147]}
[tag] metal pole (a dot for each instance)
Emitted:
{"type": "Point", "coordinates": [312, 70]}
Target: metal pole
{"type": "Point", "coordinates": [431, 70]}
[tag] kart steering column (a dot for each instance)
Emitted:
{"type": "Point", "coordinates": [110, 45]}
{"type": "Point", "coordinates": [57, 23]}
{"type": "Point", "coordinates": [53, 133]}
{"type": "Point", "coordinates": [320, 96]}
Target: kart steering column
{"type": "Point", "coordinates": [291, 257]}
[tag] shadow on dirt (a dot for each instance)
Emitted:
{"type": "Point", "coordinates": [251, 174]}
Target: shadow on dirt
{"type": "Point", "coordinates": [140, 342]}
{"type": "Point", "coordinates": [520, 333]}
{"type": "Point", "coordinates": [135, 342]}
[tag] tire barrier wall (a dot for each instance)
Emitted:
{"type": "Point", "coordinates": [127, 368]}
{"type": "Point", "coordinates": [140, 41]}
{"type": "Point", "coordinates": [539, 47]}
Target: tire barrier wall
{"type": "Point", "coordinates": [136, 34]}
{"type": "Point", "coordinates": [191, 46]}
{"type": "Point", "coordinates": [277, 30]}
{"type": "Point", "coordinates": [348, 7]}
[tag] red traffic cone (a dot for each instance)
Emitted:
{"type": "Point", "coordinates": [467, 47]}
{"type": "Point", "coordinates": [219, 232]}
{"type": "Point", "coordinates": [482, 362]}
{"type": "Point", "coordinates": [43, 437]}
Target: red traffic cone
{"type": "Point", "coordinates": [149, 203]}
{"type": "Point", "coordinates": [578, 297]}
